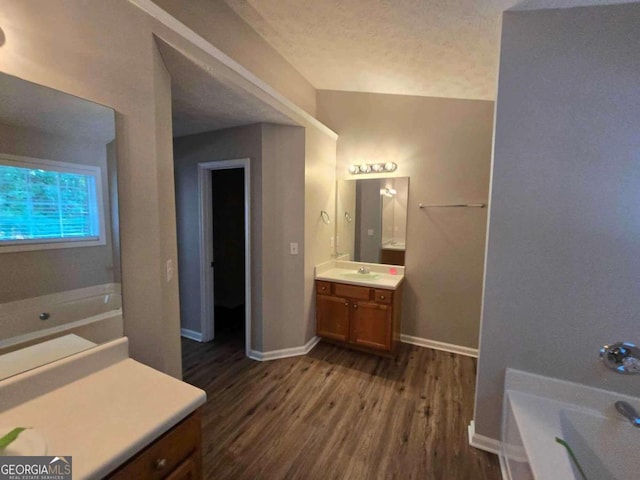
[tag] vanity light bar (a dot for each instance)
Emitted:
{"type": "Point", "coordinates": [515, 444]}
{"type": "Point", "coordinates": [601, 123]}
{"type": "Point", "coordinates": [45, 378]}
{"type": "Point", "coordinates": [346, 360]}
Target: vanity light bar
{"type": "Point", "coordinates": [373, 168]}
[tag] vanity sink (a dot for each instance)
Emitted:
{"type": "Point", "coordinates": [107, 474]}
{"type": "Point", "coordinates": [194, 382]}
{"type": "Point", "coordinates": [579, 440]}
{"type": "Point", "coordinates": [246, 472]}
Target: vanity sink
{"type": "Point", "coordinates": [356, 275]}
{"type": "Point", "coordinates": [358, 305]}
{"type": "Point", "coordinates": [360, 273]}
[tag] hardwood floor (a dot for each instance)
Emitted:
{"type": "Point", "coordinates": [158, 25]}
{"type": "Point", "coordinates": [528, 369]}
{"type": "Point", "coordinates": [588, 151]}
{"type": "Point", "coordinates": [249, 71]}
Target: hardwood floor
{"type": "Point", "coordinates": [336, 414]}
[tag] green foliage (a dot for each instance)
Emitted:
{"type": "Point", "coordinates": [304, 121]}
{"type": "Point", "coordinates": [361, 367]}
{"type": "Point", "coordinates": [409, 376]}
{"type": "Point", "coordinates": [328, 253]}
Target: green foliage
{"type": "Point", "coordinates": [10, 437]}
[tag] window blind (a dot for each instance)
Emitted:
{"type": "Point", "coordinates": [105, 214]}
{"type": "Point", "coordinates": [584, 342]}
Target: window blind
{"type": "Point", "coordinates": [39, 204]}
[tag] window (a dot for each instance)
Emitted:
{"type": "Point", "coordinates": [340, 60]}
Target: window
{"type": "Point", "coordinates": [49, 204]}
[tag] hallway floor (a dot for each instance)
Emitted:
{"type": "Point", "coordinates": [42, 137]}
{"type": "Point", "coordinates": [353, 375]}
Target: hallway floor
{"type": "Point", "coordinates": [336, 414]}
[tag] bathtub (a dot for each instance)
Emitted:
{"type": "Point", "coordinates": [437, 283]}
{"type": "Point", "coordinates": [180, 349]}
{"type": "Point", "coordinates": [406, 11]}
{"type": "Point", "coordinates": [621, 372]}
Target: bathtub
{"type": "Point", "coordinates": [537, 410]}
{"type": "Point", "coordinates": [94, 313]}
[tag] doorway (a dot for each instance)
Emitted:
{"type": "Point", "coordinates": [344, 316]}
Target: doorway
{"type": "Point", "coordinates": [225, 249]}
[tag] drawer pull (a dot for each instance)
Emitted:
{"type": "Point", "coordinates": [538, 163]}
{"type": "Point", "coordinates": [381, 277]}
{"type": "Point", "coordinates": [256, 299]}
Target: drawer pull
{"type": "Point", "coordinates": [346, 304]}
{"type": "Point", "coordinates": [381, 297]}
{"type": "Point", "coordinates": [355, 305]}
{"type": "Point", "coordinates": [160, 463]}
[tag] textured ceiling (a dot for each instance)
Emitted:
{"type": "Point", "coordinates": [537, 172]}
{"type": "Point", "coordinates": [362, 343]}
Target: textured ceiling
{"type": "Point", "coordinates": [440, 48]}
{"type": "Point", "coordinates": [204, 103]}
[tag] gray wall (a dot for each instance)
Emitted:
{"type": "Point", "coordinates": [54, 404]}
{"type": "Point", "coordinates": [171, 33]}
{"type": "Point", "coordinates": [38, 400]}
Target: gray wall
{"type": "Point", "coordinates": [34, 273]}
{"type": "Point", "coordinates": [345, 229]}
{"type": "Point", "coordinates": [229, 144]}
{"type": "Point", "coordinates": [277, 219]}
{"type": "Point", "coordinates": [444, 146]}
{"type": "Point", "coordinates": [563, 257]}
{"type": "Point", "coordinates": [283, 222]}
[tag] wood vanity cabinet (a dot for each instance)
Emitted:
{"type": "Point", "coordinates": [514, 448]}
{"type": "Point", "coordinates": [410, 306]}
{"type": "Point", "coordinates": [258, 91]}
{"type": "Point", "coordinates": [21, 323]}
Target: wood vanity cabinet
{"type": "Point", "coordinates": [359, 317]}
{"type": "Point", "coordinates": [176, 455]}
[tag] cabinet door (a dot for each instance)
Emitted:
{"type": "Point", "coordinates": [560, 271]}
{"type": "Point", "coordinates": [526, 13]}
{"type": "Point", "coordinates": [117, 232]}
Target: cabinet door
{"type": "Point", "coordinates": [371, 325]}
{"type": "Point", "coordinates": [332, 317]}
{"type": "Point", "coordinates": [190, 469]}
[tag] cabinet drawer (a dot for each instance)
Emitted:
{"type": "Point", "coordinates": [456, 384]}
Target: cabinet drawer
{"type": "Point", "coordinates": [383, 296]}
{"type": "Point", "coordinates": [323, 288]}
{"type": "Point", "coordinates": [162, 457]}
{"type": "Point", "coordinates": [352, 291]}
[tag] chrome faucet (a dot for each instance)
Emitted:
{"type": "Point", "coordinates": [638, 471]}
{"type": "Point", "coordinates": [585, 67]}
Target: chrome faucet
{"type": "Point", "coordinates": [621, 357]}
{"type": "Point", "coordinates": [627, 411]}
{"type": "Point", "coordinates": [364, 270]}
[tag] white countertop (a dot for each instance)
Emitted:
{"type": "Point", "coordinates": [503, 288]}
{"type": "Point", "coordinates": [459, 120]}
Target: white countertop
{"type": "Point", "coordinates": [344, 272]}
{"type": "Point", "coordinates": [102, 418]}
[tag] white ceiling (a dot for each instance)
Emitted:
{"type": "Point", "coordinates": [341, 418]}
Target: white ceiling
{"type": "Point", "coordinates": [202, 102]}
{"type": "Point", "coordinates": [440, 48]}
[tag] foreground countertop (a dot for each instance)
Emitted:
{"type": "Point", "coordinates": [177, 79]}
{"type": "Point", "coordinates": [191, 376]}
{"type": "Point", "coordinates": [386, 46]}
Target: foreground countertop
{"type": "Point", "coordinates": [102, 418]}
{"type": "Point", "coordinates": [345, 272]}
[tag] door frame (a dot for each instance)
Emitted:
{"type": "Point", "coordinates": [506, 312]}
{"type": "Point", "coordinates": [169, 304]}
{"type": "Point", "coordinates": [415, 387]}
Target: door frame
{"type": "Point", "coordinates": [206, 241]}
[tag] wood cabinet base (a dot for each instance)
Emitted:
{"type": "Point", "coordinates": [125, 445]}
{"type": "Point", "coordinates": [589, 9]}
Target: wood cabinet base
{"type": "Point", "coordinates": [362, 318]}
{"type": "Point", "coordinates": [176, 455]}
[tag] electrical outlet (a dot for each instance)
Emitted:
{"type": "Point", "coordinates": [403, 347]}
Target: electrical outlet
{"type": "Point", "coordinates": [331, 242]}
{"type": "Point", "coordinates": [293, 248]}
{"type": "Point", "coordinates": [370, 232]}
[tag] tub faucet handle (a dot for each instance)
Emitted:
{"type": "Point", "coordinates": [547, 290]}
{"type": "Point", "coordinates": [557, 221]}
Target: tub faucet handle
{"type": "Point", "coordinates": [621, 357]}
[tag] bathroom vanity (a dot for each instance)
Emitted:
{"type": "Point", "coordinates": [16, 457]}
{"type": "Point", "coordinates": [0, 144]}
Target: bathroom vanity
{"type": "Point", "coordinates": [176, 455]}
{"type": "Point", "coordinates": [115, 417]}
{"type": "Point", "coordinates": [359, 310]}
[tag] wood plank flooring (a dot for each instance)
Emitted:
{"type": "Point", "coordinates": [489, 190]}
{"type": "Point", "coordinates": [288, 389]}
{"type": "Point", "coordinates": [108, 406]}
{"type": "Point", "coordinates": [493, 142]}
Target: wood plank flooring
{"type": "Point", "coordinates": [336, 414]}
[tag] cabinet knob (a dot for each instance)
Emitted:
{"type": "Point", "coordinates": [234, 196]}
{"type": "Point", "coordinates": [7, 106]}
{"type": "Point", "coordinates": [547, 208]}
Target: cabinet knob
{"type": "Point", "coordinates": [323, 288]}
{"type": "Point", "coordinates": [160, 463]}
{"type": "Point", "coordinates": [346, 304]}
{"type": "Point", "coordinates": [355, 305]}
{"type": "Point", "coordinates": [381, 297]}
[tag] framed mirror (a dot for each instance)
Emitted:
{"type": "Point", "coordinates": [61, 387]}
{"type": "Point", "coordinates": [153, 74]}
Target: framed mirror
{"type": "Point", "coordinates": [371, 220]}
{"type": "Point", "coordinates": [60, 287]}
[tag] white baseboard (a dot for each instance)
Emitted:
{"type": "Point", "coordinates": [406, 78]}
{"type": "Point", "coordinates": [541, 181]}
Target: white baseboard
{"type": "Point", "coordinates": [191, 334]}
{"type": "Point", "coordinates": [447, 347]}
{"type": "Point", "coordinates": [284, 353]}
{"type": "Point", "coordinates": [483, 443]}
{"type": "Point", "coordinates": [487, 444]}
{"type": "Point", "coordinates": [503, 469]}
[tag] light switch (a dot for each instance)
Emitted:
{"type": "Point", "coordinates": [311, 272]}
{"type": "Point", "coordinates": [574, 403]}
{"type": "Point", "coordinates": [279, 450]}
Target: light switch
{"type": "Point", "coordinates": [169, 270]}
{"type": "Point", "coordinates": [293, 248]}
{"type": "Point", "coordinates": [370, 232]}
{"type": "Point", "coordinates": [331, 243]}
